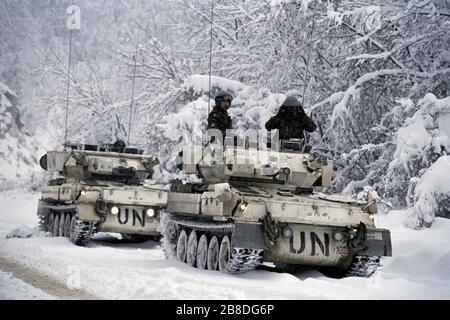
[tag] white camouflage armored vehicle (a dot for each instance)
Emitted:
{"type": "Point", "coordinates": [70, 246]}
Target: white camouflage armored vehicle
{"type": "Point", "coordinates": [257, 206]}
{"type": "Point", "coordinates": [100, 189]}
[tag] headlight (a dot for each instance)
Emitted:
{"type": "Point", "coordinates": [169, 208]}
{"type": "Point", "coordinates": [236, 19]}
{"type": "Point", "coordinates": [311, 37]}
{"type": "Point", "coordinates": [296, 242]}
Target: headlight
{"type": "Point", "coordinates": [243, 206]}
{"type": "Point", "coordinates": [150, 212]}
{"type": "Point", "coordinates": [82, 192]}
{"type": "Point", "coordinates": [338, 236]}
{"type": "Point", "coordinates": [287, 233]}
{"type": "Point", "coordinates": [115, 210]}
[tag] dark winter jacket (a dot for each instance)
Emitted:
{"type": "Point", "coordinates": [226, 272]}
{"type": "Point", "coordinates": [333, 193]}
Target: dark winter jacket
{"type": "Point", "coordinates": [220, 120]}
{"type": "Point", "coordinates": [291, 121]}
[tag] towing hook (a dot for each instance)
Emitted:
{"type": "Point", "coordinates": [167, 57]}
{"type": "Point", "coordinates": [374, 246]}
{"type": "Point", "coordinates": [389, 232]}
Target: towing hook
{"type": "Point", "coordinates": [359, 241]}
{"type": "Point", "coordinates": [271, 232]}
{"type": "Point", "coordinates": [100, 209]}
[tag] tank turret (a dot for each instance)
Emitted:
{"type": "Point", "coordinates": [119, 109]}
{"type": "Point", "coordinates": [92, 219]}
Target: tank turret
{"type": "Point", "coordinates": [101, 163]}
{"type": "Point", "coordinates": [289, 166]}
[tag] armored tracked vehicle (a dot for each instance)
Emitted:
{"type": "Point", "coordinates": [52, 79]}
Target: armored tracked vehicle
{"type": "Point", "coordinates": [260, 206]}
{"type": "Point", "coordinates": [100, 189]}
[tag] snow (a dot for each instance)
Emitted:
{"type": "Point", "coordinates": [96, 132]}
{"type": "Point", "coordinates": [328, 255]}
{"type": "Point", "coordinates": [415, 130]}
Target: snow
{"type": "Point", "coordinates": [114, 269]}
{"type": "Point", "coordinates": [17, 157]}
{"type": "Point", "coordinates": [412, 138]}
{"type": "Point", "coordinates": [341, 109]}
{"type": "Point", "coordinates": [23, 231]}
{"type": "Point", "coordinates": [383, 55]}
{"type": "Point", "coordinates": [432, 194]}
{"type": "Point", "coordinates": [4, 89]}
{"type": "Point", "coordinates": [200, 84]}
{"type": "Point", "coordinates": [426, 260]}
{"type": "Point", "coordinates": [12, 288]}
{"type": "Point", "coordinates": [370, 11]}
{"type": "Point", "coordinates": [433, 114]}
{"type": "Point", "coordinates": [17, 148]}
{"type": "Point", "coordinates": [420, 157]}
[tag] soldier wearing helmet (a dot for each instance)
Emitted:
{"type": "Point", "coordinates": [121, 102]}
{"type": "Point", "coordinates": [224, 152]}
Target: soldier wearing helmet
{"type": "Point", "coordinates": [219, 118]}
{"type": "Point", "coordinates": [291, 120]}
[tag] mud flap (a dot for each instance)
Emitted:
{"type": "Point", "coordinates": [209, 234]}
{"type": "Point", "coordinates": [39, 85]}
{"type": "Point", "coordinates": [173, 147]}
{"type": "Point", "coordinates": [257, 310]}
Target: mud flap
{"type": "Point", "coordinates": [42, 207]}
{"type": "Point", "coordinates": [101, 210]}
{"type": "Point", "coordinates": [249, 235]}
{"type": "Point", "coordinates": [378, 243]}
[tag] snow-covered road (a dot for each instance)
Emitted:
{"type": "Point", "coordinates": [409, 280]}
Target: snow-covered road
{"type": "Point", "coordinates": [13, 288]}
{"type": "Point", "coordinates": [112, 269]}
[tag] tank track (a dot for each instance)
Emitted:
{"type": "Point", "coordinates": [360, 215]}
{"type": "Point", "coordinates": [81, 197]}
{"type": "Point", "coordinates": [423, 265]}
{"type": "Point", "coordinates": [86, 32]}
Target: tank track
{"type": "Point", "coordinates": [363, 266]}
{"type": "Point", "coordinates": [42, 223]}
{"type": "Point", "coordinates": [82, 232]}
{"type": "Point", "coordinates": [218, 228]}
{"type": "Point", "coordinates": [42, 218]}
{"type": "Point", "coordinates": [241, 259]}
{"type": "Point", "coordinates": [79, 232]}
{"type": "Point", "coordinates": [244, 260]}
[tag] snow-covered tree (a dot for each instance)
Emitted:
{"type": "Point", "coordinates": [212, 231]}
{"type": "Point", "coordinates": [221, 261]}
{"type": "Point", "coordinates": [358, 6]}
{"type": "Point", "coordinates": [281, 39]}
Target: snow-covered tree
{"type": "Point", "coordinates": [373, 74]}
{"type": "Point", "coordinates": [18, 150]}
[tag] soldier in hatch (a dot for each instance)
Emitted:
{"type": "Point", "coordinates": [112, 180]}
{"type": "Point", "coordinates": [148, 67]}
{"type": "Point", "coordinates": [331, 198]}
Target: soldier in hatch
{"type": "Point", "coordinates": [291, 120]}
{"type": "Point", "coordinates": [219, 118]}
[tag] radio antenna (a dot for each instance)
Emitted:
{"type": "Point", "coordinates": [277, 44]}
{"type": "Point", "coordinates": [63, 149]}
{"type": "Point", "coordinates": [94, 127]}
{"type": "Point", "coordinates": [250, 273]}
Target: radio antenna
{"type": "Point", "coordinates": [68, 89]}
{"type": "Point", "coordinates": [133, 83]}
{"type": "Point", "coordinates": [309, 53]}
{"type": "Point", "coordinates": [210, 54]}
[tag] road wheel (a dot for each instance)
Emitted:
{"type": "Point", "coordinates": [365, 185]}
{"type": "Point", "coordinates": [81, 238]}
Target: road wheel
{"type": "Point", "coordinates": [213, 253]}
{"type": "Point", "coordinates": [202, 252]}
{"type": "Point", "coordinates": [192, 249]}
{"type": "Point", "coordinates": [73, 223]}
{"type": "Point", "coordinates": [50, 222]}
{"type": "Point", "coordinates": [67, 222]}
{"type": "Point", "coordinates": [61, 224]}
{"type": "Point", "coordinates": [224, 254]}
{"type": "Point", "coordinates": [56, 225]}
{"type": "Point", "coordinates": [182, 246]}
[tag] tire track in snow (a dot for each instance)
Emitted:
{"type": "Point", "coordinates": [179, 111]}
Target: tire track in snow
{"type": "Point", "coordinates": [43, 282]}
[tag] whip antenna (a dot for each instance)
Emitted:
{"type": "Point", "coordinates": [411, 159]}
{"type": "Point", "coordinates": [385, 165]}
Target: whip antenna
{"type": "Point", "coordinates": [132, 86]}
{"type": "Point", "coordinates": [210, 54]}
{"type": "Point", "coordinates": [309, 53]}
{"type": "Point", "coordinates": [73, 22]}
{"type": "Point", "coordinates": [68, 89]}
